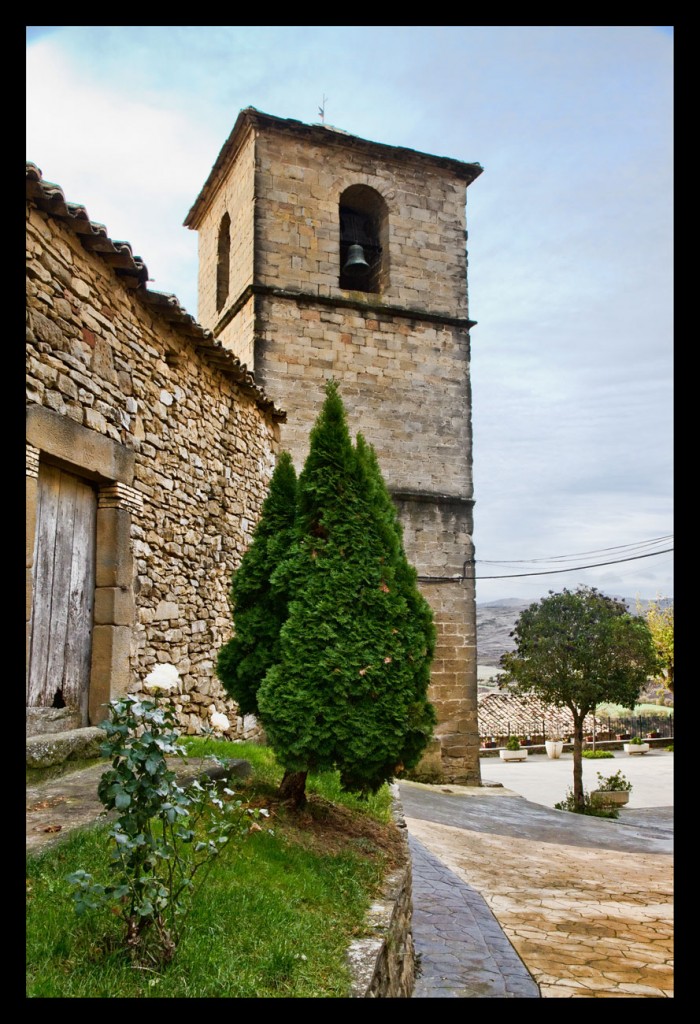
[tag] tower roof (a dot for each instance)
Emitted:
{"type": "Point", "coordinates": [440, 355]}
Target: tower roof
{"type": "Point", "coordinates": [324, 134]}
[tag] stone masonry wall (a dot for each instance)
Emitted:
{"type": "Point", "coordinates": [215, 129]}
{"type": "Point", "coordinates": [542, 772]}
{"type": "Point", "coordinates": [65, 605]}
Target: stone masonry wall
{"type": "Point", "coordinates": [203, 452]}
{"type": "Point", "coordinates": [297, 225]}
{"type": "Point", "coordinates": [437, 538]}
{"type": "Point", "coordinates": [235, 197]}
{"type": "Point", "coordinates": [404, 384]}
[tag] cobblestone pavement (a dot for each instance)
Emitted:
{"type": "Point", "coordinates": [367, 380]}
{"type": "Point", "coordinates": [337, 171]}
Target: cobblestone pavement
{"type": "Point", "coordinates": [585, 904]}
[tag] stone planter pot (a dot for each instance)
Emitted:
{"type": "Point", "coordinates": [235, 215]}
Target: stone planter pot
{"type": "Point", "coordinates": [554, 748]}
{"type": "Point", "coordinates": [635, 748]}
{"type": "Point", "coordinates": [513, 755]}
{"type": "Point", "coordinates": [610, 797]}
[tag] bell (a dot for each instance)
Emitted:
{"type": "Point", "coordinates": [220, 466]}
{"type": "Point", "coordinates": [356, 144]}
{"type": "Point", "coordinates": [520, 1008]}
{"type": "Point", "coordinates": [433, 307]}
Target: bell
{"type": "Point", "coordinates": [356, 263]}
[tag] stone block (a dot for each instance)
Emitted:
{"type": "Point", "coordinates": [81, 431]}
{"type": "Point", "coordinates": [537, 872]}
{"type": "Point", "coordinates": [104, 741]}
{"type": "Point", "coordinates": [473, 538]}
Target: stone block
{"type": "Point", "coordinates": [114, 606]}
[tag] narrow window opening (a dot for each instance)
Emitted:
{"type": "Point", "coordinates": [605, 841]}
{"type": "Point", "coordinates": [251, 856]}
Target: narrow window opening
{"type": "Point", "coordinates": [223, 261]}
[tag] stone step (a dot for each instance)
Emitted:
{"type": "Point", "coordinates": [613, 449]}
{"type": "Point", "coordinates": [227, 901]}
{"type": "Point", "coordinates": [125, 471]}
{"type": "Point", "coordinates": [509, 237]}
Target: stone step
{"type": "Point", "coordinates": [43, 721]}
{"type": "Point", "coordinates": [48, 749]}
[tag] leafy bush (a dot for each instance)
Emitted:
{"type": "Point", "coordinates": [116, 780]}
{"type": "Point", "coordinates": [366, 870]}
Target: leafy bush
{"type": "Point", "coordinates": [596, 754]}
{"type": "Point", "coordinates": [569, 804]}
{"type": "Point", "coordinates": [616, 783]}
{"type": "Point", "coordinates": [512, 743]}
{"type": "Point", "coordinates": [636, 741]}
{"type": "Point", "coordinates": [607, 710]}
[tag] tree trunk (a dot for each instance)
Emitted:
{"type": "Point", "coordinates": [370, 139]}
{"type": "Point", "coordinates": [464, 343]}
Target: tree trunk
{"type": "Point", "coordinates": [578, 762]}
{"type": "Point", "coordinates": [293, 789]}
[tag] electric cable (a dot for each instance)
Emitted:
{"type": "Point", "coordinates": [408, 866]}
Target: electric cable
{"type": "Point", "coordinates": [542, 572]}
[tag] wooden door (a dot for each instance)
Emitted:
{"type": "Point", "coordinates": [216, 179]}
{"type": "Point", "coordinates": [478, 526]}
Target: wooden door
{"type": "Point", "coordinates": [63, 592]}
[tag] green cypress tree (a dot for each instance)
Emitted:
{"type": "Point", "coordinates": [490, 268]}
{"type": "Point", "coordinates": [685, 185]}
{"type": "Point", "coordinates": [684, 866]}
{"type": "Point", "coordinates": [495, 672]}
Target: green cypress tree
{"type": "Point", "coordinates": [417, 632]}
{"type": "Point", "coordinates": [259, 609]}
{"type": "Point", "coordinates": [349, 689]}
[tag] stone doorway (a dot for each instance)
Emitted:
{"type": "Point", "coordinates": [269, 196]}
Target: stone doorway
{"type": "Point", "coordinates": [63, 593]}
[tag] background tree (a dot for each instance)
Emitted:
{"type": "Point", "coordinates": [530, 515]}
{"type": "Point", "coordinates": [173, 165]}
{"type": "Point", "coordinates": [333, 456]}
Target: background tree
{"type": "Point", "coordinates": [660, 621]}
{"type": "Point", "coordinates": [349, 691]}
{"type": "Point", "coordinates": [259, 608]}
{"type": "Point", "coordinates": [577, 650]}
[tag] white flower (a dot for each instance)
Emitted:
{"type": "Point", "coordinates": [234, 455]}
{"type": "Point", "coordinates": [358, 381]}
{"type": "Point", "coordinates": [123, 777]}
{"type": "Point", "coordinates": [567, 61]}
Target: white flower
{"type": "Point", "coordinates": [220, 721]}
{"type": "Point", "coordinates": [163, 677]}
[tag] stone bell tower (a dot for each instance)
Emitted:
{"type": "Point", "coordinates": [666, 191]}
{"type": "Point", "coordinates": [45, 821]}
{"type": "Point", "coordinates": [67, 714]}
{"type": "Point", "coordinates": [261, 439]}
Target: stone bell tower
{"type": "Point", "coordinates": [325, 255]}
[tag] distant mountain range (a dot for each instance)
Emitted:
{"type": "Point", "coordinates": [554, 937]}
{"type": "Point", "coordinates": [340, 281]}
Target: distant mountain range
{"type": "Point", "coordinates": [495, 621]}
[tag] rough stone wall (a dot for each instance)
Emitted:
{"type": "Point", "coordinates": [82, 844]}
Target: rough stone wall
{"type": "Point", "coordinates": [383, 963]}
{"type": "Point", "coordinates": [203, 453]}
{"type": "Point", "coordinates": [401, 356]}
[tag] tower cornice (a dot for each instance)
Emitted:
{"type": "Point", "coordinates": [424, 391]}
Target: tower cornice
{"type": "Point", "coordinates": [359, 305]}
{"type": "Point", "coordinates": [251, 119]}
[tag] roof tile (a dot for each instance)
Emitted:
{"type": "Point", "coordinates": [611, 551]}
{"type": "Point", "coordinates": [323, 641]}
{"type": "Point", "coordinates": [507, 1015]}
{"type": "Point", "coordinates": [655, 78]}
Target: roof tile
{"type": "Point", "coordinates": [133, 273]}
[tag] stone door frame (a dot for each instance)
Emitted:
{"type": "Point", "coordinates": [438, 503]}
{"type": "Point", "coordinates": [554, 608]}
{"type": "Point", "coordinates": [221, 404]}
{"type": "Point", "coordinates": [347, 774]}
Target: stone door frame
{"type": "Point", "coordinates": [110, 466]}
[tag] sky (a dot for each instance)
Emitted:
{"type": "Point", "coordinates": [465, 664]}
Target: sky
{"type": "Point", "coordinates": [570, 237]}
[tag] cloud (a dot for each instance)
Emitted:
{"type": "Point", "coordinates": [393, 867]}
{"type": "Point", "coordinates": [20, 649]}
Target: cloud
{"type": "Point", "coordinates": [570, 225]}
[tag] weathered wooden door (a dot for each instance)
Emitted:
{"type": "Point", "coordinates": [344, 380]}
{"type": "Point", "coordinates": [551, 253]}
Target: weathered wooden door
{"type": "Point", "coordinates": [63, 592]}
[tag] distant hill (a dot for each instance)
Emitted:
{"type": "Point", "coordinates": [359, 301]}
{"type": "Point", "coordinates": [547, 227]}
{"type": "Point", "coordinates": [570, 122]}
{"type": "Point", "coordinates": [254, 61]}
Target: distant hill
{"type": "Point", "coordinates": [495, 621]}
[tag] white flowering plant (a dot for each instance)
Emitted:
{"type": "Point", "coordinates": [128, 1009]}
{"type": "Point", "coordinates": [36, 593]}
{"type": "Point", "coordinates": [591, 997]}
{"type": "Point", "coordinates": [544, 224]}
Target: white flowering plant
{"type": "Point", "coordinates": [163, 677]}
{"type": "Point", "coordinates": [165, 834]}
{"type": "Point", "coordinates": [220, 722]}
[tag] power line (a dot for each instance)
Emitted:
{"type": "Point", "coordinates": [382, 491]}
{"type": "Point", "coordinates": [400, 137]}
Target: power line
{"type": "Point", "coordinates": [578, 554]}
{"type": "Point", "coordinates": [573, 568]}
{"type": "Point", "coordinates": [543, 572]}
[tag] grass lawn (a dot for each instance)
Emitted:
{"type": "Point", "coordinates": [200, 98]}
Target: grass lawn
{"type": "Point", "coordinates": [274, 917]}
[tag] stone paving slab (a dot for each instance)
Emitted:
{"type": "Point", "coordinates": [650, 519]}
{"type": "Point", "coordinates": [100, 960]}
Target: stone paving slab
{"type": "Point", "coordinates": [586, 904]}
{"type": "Point", "coordinates": [57, 806]}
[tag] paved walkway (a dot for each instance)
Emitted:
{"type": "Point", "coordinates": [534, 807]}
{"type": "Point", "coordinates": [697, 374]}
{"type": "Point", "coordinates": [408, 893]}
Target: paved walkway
{"type": "Point", "coordinates": [513, 899]}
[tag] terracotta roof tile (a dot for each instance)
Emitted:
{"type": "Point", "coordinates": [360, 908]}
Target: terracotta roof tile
{"type": "Point", "coordinates": [503, 714]}
{"type": "Point", "coordinates": [133, 273]}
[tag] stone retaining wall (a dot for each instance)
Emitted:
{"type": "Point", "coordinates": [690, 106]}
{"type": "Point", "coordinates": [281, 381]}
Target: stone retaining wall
{"type": "Point", "coordinates": [383, 962]}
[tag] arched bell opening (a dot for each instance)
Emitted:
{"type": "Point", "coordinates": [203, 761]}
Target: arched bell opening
{"type": "Point", "coordinates": [363, 240]}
